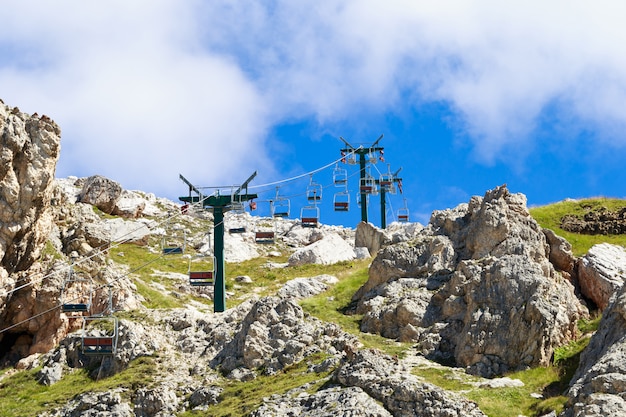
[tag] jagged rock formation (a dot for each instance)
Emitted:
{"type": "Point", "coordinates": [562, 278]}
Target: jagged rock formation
{"type": "Point", "coordinates": [601, 273]}
{"type": "Point", "coordinates": [475, 286]}
{"type": "Point", "coordinates": [598, 386]}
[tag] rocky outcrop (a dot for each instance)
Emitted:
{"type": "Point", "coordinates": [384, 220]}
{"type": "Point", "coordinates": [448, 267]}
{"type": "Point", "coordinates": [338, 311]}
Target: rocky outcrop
{"type": "Point", "coordinates": [598, 386]}
{"type": "Point", "coordinates": [275, 334]}
{"type": "Point", "coordinates": [30, 149]}
{"type": "Point", "coordinates": [400, 392]}
{"type": "Point", "coordinates": [100, 192]}
{"type": "Point", "coordinates": [601, 273]}
{"type": "Point", "coordinates": [601, 221]}
{"type": "Point", "coordinates": [476, 286]}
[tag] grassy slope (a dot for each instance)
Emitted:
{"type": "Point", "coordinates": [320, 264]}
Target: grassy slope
{"type": "Point", "coordinates": [23, 396]}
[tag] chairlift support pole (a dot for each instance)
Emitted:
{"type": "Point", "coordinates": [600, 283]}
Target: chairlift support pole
{"type": "Point", "coordinates": [362, 152]}
{"type": "Point", "coordinates": [220, 204]}
{"type": "Point", "coordinates": [383, 200]}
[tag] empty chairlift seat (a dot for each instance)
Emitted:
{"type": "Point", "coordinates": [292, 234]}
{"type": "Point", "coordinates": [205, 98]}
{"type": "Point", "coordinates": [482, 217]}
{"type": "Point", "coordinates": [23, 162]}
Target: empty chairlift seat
{"type": "Point", "coordinates": [201, 277]}
{"type": "Point", "coordinates": [99, 335]}
{"type": "Point", "coordinates": [309, 216]}
{"type": "Point", "coordinates": [341, 202]}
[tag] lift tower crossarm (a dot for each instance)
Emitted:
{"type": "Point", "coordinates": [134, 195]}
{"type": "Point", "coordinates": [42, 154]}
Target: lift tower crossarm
{"type": "Point", "coordinates": [191, 186]}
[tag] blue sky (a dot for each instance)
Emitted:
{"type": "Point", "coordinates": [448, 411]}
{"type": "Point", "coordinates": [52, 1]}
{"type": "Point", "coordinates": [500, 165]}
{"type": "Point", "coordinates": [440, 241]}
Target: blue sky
{"type": "Point", "coordinates": [469, 95]}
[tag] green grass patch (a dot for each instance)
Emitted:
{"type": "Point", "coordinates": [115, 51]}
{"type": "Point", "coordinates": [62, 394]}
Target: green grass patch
{"type": "Point", "coordinates": [241, 398]}
{"type": "Point", "coordinates": [550, 216]}
{"type": "Point", "coordinates": [330, 306]}
{"type": "Point", "coordinates": [22, 396]}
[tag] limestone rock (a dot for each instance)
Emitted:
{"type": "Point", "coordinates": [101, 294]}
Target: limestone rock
{"type": "Point", "coordinates": [370, 237]}
{"type": "Point", "coordinates": [29, 150]}
{"type": "Point", "coordinates": [101, 192]}
{"type": "Point", "coordinates": [601, 273]}
{"type": "Point", "coordinates": [306, 287]}
{"type": "Point", "coordinates": [400, 392]}
{"type": "Point", "coordinates": [95, 404]}
{"type": "Point", "coordinates": [129, 204]}
{"type": "Point", "coordinates": [599, 384]}
{"type": "Point", "coordinates": [275, 334]}
{"type": "Point", "coordinates": [327, 251]}
{"type": "Point", "coordinates": [334, 401]}
{"type": "Point", "coordinates": [475, 286]}
{"type": "Point", "coordinates": [560, 252]}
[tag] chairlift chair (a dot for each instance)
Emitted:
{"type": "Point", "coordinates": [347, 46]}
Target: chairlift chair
{"type": "Point", "coordinates": [368, 185]}
{"type": "Point", "coordinates": [201, 278]}
{"type": "Point", "coordinates": [403, 213]}
{"type": "Point", "coordinates": [80, 303]}
{"type": "Point", "coordinates": [309, 216]}
{"type": "Point", "coordinates": [174, 244]}
{"type": "Point", "coordinates": [99, 335]}
{"type": "Point", "coordinates": [314, 191]}
{"type": "Point", "coordinates": [341, 201]}
{"type": "Point", "coordinates": [340, 176]}
{"type": "Point", "coordinates": [281, 207]}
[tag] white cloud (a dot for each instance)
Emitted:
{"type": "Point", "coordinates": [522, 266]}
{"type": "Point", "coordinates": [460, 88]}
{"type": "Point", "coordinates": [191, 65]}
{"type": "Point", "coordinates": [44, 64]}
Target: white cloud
{"type": "Point", "coordinates": [162, 86]}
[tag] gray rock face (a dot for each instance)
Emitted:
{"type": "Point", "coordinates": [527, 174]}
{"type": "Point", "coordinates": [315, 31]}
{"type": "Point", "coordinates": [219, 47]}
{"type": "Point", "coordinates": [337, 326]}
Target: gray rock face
{"type": "Point", "coordinates": [29, 152]}
{"type": "Point", "coordinates": [599, 385]}
{"type": "Point", "coordinates": [335, 401]}
{"type": "Point", "coordinates": [601, 273]}
{"type": "Point", "coordinates": [382, 378]}
{"type": "Point", "coordinates": [101, 192]}
{"type": "Point", "coordinates": [96, 404]}
{"type": "Point", "coordinates": [275, 334]}
{"type": "Point", "coordinates": [475, 286]}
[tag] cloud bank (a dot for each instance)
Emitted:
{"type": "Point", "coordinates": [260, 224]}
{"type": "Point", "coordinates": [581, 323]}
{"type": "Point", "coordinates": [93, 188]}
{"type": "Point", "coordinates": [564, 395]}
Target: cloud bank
{"type": "Point", "coordinates": [162, 87]}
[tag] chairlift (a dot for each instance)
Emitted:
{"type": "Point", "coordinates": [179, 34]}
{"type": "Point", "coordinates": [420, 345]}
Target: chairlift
{"type": "Point", "coordinates": [203, 277]}
{"type": "Point", "coordinates": [100, 332]}
{"type": "Point", "coordinates": [372, 159]}
{"type": "Point", "coordinates": [174, 243]}
{"type": "Point", "coordinates": [340, 176]}
{"type": "Point", "coordinates": [341, 201]}
{"type": "Point", "coordinates": [99, 335]}
{"type": "Point", "coordinates": [403, 213]}
{"type": "Point", "coordinates": [265, 235]}
{"type": "Point", "coordinates": [309, 216]}
{"type": "Point", "coordinates": [80, 303]}
{"type": "Point", "coordinates": [281, 206]}
{"type": "Point", "coordinates": [314, 191]}
{"type": "Point", "coordinates": [368, 185]}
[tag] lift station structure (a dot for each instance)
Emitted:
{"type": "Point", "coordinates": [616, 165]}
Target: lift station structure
{"type": "Point", "coordinates": [219, 204]}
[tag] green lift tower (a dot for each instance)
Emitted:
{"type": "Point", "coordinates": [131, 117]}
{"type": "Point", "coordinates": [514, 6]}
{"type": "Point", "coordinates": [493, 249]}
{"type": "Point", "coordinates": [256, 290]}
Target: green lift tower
{"type": "Point", "coordinates": [219, 204]}
{"type": "Point", "coordinates": [366, 184]}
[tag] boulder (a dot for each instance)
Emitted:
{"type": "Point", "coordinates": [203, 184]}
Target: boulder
{"type": "Point", "coordinates": [327, 251]}
{"type": "Point", "coordinates": [101, 192]}
{"type": "Point", "coordinates": [601, 273]}
{"type": "Point", "coordinates": [476, 287]}
{"type": "Point", "coordinates": [598, 386]}
{"type": "Point", "coordinates": [298, 288]}
{"type": "Point", "coordinates": [129, 204]}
